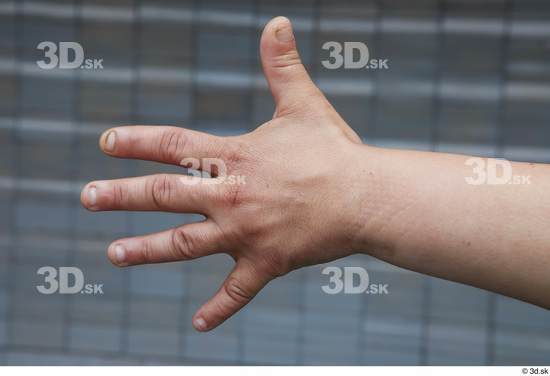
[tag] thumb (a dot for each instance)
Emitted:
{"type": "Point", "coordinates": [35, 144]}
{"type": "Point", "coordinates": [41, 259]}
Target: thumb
{"type": "Point", "coordinates": [287, 77]}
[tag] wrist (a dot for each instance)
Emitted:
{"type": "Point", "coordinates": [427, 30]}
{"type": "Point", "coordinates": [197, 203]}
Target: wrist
{"type": "Point", "coordinates": [378, 196]}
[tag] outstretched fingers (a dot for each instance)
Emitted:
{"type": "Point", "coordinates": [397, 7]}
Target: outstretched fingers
{"type": "Point", "coordinates": [163, 192]}
{"type": "Point", "coordinates": [238, 289]}
{"type": "Point", "coordinates": [186, 242]}
{"type": "Point", "coordinates": [164, 144]}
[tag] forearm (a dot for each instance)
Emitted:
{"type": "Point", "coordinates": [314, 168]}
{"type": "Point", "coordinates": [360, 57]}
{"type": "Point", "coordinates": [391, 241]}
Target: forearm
{"type": "Point", "coordinates": [427, 218]}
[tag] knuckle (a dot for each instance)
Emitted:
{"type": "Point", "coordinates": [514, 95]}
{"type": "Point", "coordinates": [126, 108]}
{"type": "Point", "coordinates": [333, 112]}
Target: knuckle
{"type": "Point", "coordinates": [161, 191]}
{"type": "Point", "coordinates": [182, 244]}
{"type": "Point", "coordinates": [172, 143]}
{"type": "Point", "coordinates": [288, 59]}
{"type": "Point", "coordinates": [276, 265]}
{"type": "Point", "coordinates": [235, 195]}
{"type": "Point", "coordinates": [120, 195]}
{"type": "Point", "coordinates": [235, 150]}
{"type": "Point", "coordinates": [147, 253]}
{"type": "Point", "coordinates": [235, 289]}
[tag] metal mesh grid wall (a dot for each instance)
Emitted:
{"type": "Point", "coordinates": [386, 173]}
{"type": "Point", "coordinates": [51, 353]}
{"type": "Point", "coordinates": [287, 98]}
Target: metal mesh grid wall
{"type": "Point", "coordinates": [465, 76]}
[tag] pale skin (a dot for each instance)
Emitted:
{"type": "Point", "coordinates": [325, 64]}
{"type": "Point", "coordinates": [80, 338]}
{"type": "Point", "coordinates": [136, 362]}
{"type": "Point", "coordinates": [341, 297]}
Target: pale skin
{"type": "Point", "coordinates": [313, 193]}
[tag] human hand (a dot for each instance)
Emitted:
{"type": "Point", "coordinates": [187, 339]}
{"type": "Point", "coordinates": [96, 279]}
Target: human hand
{"type": "Point", "coordinates": [297, 206]}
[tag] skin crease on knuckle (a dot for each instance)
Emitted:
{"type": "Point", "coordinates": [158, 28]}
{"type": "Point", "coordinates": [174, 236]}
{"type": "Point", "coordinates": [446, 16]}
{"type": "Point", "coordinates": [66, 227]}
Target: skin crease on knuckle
{"type": "Point", "coordinates": [172, 143]}
{"type": "Point", "coordinates": [182, 244]}
{"type": "Point", "coordinates": [161, 189]}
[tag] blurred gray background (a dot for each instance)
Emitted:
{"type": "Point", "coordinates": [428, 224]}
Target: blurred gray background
{"type": "Point", "coordinates": [465, 76]}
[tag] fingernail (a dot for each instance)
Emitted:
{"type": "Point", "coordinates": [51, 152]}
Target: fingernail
{"type": "Point", "coordinates": [92, 196]}
{"type": "Point", "coordinates": [120, 254]}
{"type": "Point", "coordinates": [284, 32]}
{"type": "Point", "coordinates": [200, 324]}
{"type": "Point", "coordinates": [110, 141]}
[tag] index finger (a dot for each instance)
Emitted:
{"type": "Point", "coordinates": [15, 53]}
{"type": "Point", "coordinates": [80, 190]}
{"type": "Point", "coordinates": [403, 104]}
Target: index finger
{"type": "Point", "coordinates": [163, 144]}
